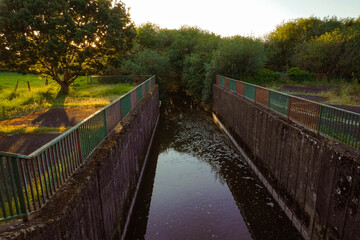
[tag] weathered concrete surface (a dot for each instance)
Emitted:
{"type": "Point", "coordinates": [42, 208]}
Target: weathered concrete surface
{"type": "Point", "coordinates": [94, 202]}
{"type": "Point", "coordinates": [316, 178]}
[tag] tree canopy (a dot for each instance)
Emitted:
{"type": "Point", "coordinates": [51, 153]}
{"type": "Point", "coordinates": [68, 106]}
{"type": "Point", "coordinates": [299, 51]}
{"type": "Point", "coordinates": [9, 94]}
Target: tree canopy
{"type": "Point", "coordinates": [62, 38]}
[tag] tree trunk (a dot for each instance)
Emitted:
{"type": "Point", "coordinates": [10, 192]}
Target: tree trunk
{"type": "Point", "coordinates": [64, 89]}
{"type": "Point", "coordinates": [64, 83]}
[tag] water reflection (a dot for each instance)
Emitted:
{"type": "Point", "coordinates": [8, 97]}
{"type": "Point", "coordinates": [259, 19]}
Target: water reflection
{"type": "Point", "coordinates": [197, 186]}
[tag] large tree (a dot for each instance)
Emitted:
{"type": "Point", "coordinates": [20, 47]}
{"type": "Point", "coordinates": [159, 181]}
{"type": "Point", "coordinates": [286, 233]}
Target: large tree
{"type": "Point", "coordinates": [62, 38]}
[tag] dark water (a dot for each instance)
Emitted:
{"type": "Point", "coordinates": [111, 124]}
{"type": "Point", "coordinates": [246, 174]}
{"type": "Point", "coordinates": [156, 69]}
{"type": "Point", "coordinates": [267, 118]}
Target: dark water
{"type": "Point", "coordinates": [197, 186]}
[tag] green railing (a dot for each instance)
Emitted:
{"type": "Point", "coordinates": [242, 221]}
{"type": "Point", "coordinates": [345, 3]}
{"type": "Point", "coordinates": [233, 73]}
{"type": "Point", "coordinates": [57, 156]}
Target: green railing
{"type": "Point", "coordinates": [279, 102]}
{"type": "Point", "coordinates": [28, 182]}
{"type": "Point", "coordinates": [249, 91]}
{"type": "Point", "coordinates": [330, 121]}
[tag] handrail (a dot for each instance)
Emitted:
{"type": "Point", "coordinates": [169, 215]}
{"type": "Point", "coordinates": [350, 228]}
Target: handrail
{"type": "Point", "coordinates": [29, 181]}
{"type": "Point", "coordinates": [330, 121]}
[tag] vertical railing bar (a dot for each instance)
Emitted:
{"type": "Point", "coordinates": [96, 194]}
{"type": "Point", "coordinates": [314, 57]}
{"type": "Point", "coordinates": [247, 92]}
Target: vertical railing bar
{"type": "Point", "coordinates": [63, 159]}
{"type": "Point", "coordinates": [68, 156]}
{"type": "Point", "coordinates": [3, 204]}
{"type": "Point", "coordinates": [307, 111]}
{"type": "Point", "coordinates": [67, 160]}
{"type": "Point", "coordinates": [347, 125]}
{"type": "Point", "coordinates": [86, 126]}
{"type": "Point", "coordinates": [19, 187]}
{"type": "Point", "coordinates": [90, 137]}
{"type": "Point", "coordinates": [351, 129]}
{"type": "Point", "coordinates": [72, 145]}
{"type": "Point", "coordinates": [333, 120]}
{"type": "Point", "coordinates": [330, 121]}
{"type": "Point", "coordinates": [305, 115]}
{"type": "Point", "coordinates": [320, 121]}
{"type": "Point", "coordinates": [11, 174]}
{"type": "Point", "coordinates": [105, 124]}
{"type": "Point", "coordinates": [46, 175]}
{"type": "Point", "coordinates": [291, 113]}
{"type": "Point", "coordinates": [74, 149]}
{"type": "Point", "coordinates": [22, 170]}
{"type": "Point", "coordinates": [41, 179]}
{"type": "Point", "coordinates": [50, 172]}
{"type": "Point", "coordinates": [60, 162]}
{"type": "Point", "coordinates": [343, 126]}
{"type": "Point", "coordinates": [6, 187]}
{"type": "Point", "coordinates": [340, 126]}
{"type": "Point", "coordinates": [69, 153]}
{"type": "Point", "coordinates": [53, 168]}
{"type": "Point", "coordinates": [317, 117]}
{"type": "Point", "coordinates": [30, 162]}
{"type": "Point", "coordinates": [73, 155]}
{"type": "Point", "coordinates": [79, 145]}
{"type": "Point", "coordinates": [357, 138]}
{"type": "Point", "coordinates": [57, 165]}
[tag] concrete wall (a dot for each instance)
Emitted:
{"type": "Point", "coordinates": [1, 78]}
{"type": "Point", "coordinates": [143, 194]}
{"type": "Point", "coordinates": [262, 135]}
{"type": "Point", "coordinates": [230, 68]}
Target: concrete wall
{"type": "Point", "coordinates": [95, 202]}
{"type": "Point", "coordinates": [314, 179]}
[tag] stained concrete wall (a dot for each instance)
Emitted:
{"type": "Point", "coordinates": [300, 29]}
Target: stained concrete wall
{"type": "Point", "coordinates": [317, 178]}
{"type": "Point", "coordinates": [95, 201]}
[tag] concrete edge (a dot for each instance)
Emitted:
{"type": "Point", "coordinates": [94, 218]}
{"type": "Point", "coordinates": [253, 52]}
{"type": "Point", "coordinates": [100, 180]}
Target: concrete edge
{"type": "Point", "coordinates": [277, 197]}
{"type": "Point", "coordinates": [123, 234]}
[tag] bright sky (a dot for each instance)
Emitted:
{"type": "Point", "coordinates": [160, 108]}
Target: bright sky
{"type": "Point", "coordinates": [235, 17]}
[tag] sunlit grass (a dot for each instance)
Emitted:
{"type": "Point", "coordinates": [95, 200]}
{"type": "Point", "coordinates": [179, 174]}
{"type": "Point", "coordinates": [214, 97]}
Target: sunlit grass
{"type": "Point", "coordinates": [35, 129]}
{"type": "Point", "coordinates": [16, 103]}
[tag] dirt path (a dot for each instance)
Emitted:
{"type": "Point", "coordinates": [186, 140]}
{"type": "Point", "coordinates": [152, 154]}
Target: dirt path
{"type": "Point", "coordinates": [55, 117]}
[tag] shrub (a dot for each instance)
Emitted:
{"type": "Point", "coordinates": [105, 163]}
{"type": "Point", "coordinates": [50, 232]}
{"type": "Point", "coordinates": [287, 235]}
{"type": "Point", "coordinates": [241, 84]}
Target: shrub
{"type": "Point", "coordinates": [298, 75]}
{"type": "Point", "coordinates": [265, 76]}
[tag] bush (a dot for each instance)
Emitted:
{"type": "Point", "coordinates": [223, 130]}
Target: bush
{"type": "Point", "coordinates": [265, 76]}
{"type": "Point", "coordinates": [298, 75]}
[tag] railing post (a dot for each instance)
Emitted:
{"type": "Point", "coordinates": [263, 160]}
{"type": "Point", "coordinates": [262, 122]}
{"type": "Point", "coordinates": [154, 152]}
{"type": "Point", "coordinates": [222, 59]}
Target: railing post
{"type": "Point", "coordinates": [19, 187]}
{"type": "Point", "coordinates": [105, 124]}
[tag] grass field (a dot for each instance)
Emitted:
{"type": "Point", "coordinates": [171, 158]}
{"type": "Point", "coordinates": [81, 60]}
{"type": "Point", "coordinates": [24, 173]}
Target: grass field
{"type": "Point", "coordinates": [15, 103]}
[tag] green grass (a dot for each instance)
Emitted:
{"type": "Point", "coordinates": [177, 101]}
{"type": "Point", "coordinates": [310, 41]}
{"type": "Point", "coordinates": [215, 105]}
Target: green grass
{"type": "Point", "coordinates": [23, 129]}
{"type": "Point", "coordinates": [81, 93]}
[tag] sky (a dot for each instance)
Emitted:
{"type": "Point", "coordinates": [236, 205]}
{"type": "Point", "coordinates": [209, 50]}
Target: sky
{"type": "Point", "coordinates": [236, 17]}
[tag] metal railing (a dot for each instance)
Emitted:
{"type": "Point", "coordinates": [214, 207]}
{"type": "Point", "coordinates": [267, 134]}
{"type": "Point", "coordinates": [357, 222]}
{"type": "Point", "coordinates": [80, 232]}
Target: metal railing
{"type": "Point", "coordinates": [28, 182]}
{"type": "Point", "coordinates": [337, 123]}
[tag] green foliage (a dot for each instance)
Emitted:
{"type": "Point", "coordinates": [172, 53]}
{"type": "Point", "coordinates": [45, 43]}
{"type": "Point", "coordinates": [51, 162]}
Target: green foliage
{"type": "Point", "coordinates": [264, 77]}
{"type": "Point", "coordinates": [62, 39]}
{"type": "Point", "coordinates": [239, 56]}
{"type": "Point", "coordinates": [282, 44]}
{"type": "Point", "coordinates": [329, 46]}
{"type": "Point", "coordinates": [298, 75]}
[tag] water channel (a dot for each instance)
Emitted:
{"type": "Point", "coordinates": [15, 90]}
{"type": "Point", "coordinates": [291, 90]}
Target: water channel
{"type": "Point", "coordinates": [197, 186]}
